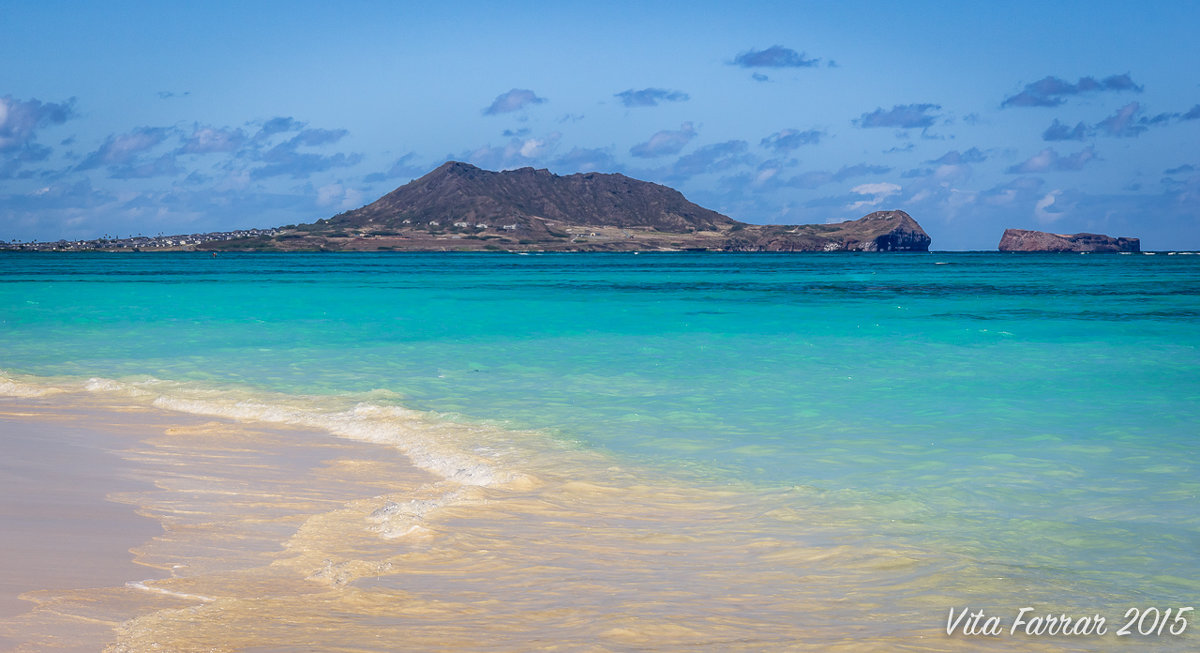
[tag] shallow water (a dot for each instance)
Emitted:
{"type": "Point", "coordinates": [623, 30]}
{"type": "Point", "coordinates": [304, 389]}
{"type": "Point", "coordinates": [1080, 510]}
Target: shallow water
{"type": "Point", "coordinates": [866, 441]}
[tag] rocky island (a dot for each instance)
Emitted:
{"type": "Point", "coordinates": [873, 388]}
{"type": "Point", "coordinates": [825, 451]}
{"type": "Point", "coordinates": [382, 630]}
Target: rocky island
{"type": "Point", "coordinates": [459, 207]}
{"type": "Point", "coordinates": [1024, 240]}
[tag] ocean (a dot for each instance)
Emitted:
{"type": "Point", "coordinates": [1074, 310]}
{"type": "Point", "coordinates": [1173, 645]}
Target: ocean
{"type": "Point", "coordinates": [656, 451]}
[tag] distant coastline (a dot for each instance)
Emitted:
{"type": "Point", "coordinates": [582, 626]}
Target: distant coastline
{"type": "Point", "coordinates": [173, 243]}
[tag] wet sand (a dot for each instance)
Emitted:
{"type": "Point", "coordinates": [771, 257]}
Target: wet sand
{"type": "Point", "coordinates": [57, 528]}
{"type": "Point", "coordinates": [100, 502]}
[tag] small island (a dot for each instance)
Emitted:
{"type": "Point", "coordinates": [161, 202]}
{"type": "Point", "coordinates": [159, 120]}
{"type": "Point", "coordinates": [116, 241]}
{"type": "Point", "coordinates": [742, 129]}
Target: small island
{"type": "Point", "coordinates": [1024, 240]}
{"type": "Point", "coordinates": [460, 207]}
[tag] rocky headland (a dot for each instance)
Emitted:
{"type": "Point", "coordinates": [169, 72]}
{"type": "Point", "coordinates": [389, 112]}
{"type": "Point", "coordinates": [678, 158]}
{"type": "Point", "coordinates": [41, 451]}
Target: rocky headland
{"type": "Point", "coordinates": [1024, 240]}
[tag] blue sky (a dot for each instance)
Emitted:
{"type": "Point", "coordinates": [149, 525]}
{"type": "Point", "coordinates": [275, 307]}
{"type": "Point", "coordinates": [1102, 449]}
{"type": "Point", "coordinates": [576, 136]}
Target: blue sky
{"type": "Point", "coordinates": [148, 117]}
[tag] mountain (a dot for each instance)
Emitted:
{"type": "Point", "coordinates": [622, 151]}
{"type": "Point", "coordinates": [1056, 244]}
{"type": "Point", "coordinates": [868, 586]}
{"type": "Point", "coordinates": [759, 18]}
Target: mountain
{"type": "Point", "coordinates": [1024, 240]}
{"type": "Point", "coordinates": [461, 207]}
{"type": "Point", "coordinates": [460, 192]}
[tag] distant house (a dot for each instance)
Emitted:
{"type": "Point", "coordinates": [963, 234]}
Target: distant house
{"type": "Point", "coordinates": [510, 227]}
{"type": "Point", "coordinates": [434, 223]}
{"type": "Point", "coordinates": [481, 226]}
{"type": "Point", "coordinates": [461, 224]}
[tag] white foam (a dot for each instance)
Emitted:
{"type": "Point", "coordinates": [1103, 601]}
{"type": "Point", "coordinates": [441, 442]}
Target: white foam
{"type": "Point", "coordinates": [12, 388]}
{"type": "Point", "coordinates": [397, 519]}
{"type": "Point", "coordinates": [103, 385]}
{"type": "Point", "coordinates": [412, 432]}
{"type": "Point", "coordinates": [42, 387]}
{"type": "Point", "coordinates": [141, 585]}
{"type": "Point", "coordinates": [447, 449]}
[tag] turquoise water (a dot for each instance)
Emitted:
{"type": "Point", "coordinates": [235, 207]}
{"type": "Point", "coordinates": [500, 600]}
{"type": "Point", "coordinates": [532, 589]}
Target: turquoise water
{"type": "Point", "coordinates": [1036, 414]}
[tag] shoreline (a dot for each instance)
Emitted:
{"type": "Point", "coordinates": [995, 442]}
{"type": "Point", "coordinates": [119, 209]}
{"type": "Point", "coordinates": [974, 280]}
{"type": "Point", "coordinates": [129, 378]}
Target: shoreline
{"type": "Point", "coordinates": [269, 530]}
{"type": "Point", "coordinates": [279, 534]}
{"type": "Point", "coordinates": [107, 508]}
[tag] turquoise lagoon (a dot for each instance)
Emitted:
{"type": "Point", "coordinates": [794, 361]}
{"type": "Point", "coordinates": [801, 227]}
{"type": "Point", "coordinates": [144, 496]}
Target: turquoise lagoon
{"type": "Point", "coordinates": [1026, 427]}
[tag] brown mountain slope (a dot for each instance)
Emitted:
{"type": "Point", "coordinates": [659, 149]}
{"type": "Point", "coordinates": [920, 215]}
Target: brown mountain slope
{"type": "Point", "coordinates": [461, 207]}
{"type": "Point", "coordinates": [457, 192]}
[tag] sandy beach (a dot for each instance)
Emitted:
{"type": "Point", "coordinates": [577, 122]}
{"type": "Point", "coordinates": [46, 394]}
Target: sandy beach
{"type": "Point", "coordinates": [60, 529]}
{"type": "Point", "coordinates": [101, 503]}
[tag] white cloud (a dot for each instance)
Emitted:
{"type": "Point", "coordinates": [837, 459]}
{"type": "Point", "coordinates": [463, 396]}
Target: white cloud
{"type": "Point", "coordinates": [1044, 209]}
{"type": "Point", "coordinates": [514, 100]}
{"type": "Point", "coordinates": [213, 139]}
{"type": "Point", "coordinates": [338, 196]}
{"type": "Point", "coordinates": [536, 147]}
{"type": "Point", "coordinates": [20, 119]}
{"type": "Point", "coordinates": [329, 194]}
{"type": "Point", "coordinates": [665, 142]}
{"type": "Point", "coordinates": [878, 191]}
{"type": "Point", "coordinates": [1048, 159]}
{"type": "Point", "coordinates": [765, 175]}
{"type": "Point", "coordinates": [516, 153]}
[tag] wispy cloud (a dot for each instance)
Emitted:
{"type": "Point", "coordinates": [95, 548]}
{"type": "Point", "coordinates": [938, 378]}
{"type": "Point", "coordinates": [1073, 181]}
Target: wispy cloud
{"type": "Point", "coordinates": [1128, 121]}
{"type": "Point", "coordinates": [787, 140]}
{"type": "Point", "coordinates": [207, 139]}
{"type": "Point", "coordinates": [814, 179]}
{"type": "Point", "coordinates": [514, 100]}
{"type": "Point", "coordinates": [1049, 160]}
{"type": "Point", "coordinates": [711, 158]}
{"type": "Point", "coordinates": [516, 153]}
{"type": "Point", "coordinates": [403, 168]}
{"type": "Point", "coordinates": [775, 56]}
{"type": "Point", "coordinates": [278, 125]}
{"type": "Point", "coordinates": [1048, 209]}
{"type": "Point", "coordinates": [300, 165]}
{"type": "Point", "coordinates": [339, 196]}
{"type": "Point", "coordinates": [123, 149]}
{"type": "Point", "coordinates": [665, 142]}
{"type": "Point", "coordinates": [162, 166]}
{"type": "Point", "coordinates": [900, 116]}
{"type": "Point", "coordinates": [1053, 91]}
{"type": "Point", "coordinates": [582, 159]}
{"type": "Point", "coordinates": [1057, 131]}
{"type": "Point", "coordinates": [650, 97]}
{"type": "Point", "coordinates": [873, 194]}
{"type": "Point", "coordinates": [1123, 123]}
{"type": "Point", "coordinates": [954, 157]}
{"type": "Point", "coordinates": [285, 159]}
{"type": "Point", "coordinates": [317, 137]}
